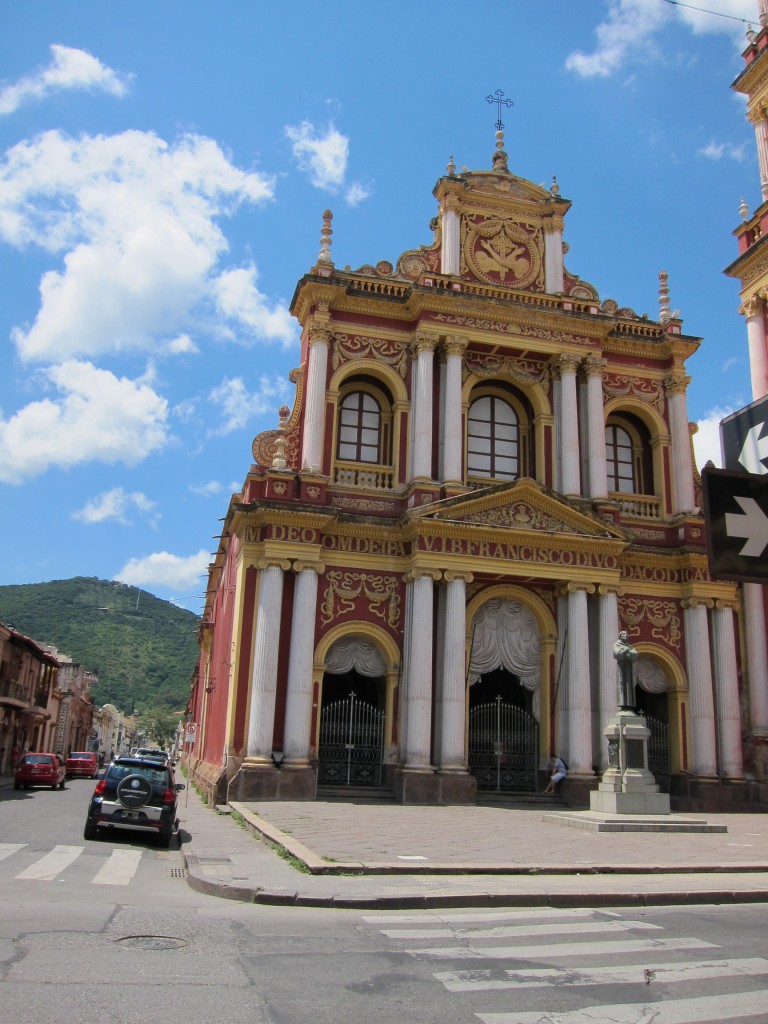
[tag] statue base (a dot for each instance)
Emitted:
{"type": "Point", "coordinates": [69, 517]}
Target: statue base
{"type": "Point", "coordinates": [627, 786]}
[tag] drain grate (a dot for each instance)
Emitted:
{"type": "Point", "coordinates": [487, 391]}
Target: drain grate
{"type": "Point", "coordinates": [178, 873]}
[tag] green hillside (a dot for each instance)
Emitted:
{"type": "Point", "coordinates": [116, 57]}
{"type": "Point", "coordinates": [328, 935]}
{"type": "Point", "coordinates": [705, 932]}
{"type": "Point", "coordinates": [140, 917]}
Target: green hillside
{"type": "Point", "coordinates": [143, 649]}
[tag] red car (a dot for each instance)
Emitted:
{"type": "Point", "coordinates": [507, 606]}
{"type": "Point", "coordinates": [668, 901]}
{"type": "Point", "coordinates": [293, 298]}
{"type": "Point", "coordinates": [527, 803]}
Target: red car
{"type": "Point", "coordinates": [40, 770]}
{"type": "Point", "coordinates": [82, 763]}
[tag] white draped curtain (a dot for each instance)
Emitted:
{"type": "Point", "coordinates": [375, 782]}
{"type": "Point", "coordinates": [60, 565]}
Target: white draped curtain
{"type": "Point", "coordinates": [358, 653]}
{"type": "Point", "coordinates": [505, 635]}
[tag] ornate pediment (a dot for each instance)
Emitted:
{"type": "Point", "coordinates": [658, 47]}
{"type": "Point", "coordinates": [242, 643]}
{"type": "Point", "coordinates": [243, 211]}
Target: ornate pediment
{"type": "Point", "coordinates": [522, 505]}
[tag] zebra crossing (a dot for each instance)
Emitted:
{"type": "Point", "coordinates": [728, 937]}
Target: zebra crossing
{"type": "Point", "coordinates": [118, 868]}
{"type": "Point", "coordinates": [583, 947]}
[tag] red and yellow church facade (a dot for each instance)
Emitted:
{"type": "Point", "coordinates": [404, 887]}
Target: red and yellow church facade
{"type": "Point", "coordinates": [486, 475]}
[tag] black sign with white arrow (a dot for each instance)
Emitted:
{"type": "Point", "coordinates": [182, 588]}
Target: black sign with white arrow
{"type": "Point", "coordinates": [736, 514]}
{"type": "Point", "coordinates": [744, 438]}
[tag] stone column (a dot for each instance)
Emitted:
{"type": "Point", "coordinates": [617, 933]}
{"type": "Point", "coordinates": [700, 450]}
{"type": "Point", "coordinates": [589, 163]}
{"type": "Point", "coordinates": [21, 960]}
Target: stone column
{"type": "Point", "coordinates": [453, 436]}
{"type": "Point", "coordinates": [298, 707]}
{"type": "Point", "coordinates": [700, 692]}
{"type": "Point", "coordinates": [754, 312]}
{"type": "Point", "coordinates": [608, 617]}
{"type": "Point", "coordinates": [261, 715]}
{"type": "Point", "coordinates": [314, 420]}
{"type": "Point", "coordinates": [553, 256]}
{"type": "Point", "coordinates": [418, 698]}
{"type": "Point", "coordinates": [568, 427]}
{"type": "Point", "coordinates": [579, 755]}
{"type": "Point", "coordinates": [450, 251]}
{"type": "Point", "coordinates": [727, 691]}
{"type": "Point", "coordinates": [761, 138]}
{"type": "Point", "coordinates": [757, 657]}
{"type": "Point", "coordinates": [453, 756]}
{"type": "Point", "coordinates": [682, 465]}
{"type": "Point", "coordinates": [424, 350]}
{"type": "Point", "coordinates": [598, 479]}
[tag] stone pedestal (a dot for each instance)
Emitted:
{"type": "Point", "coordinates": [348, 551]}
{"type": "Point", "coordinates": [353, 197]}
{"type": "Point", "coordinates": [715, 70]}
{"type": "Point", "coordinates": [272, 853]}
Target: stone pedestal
{"type": "Point", "coordinates": [627, 786]}
{"type": "Point", "coordinates": [429, 787]}
{"type": "Point", "coordinates": [266, 782]}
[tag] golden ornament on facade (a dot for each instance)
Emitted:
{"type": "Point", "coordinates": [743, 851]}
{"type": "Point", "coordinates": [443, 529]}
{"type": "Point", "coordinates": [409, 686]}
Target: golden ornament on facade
{"type": "Point", "coordinates": [503, 252]}
{"type": "Point", "coordinates": [345, 589]}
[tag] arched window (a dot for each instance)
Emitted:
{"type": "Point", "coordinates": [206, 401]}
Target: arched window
{"type": "Point", "coordinates": [492, 439]}
{"type": "Point", "coordinates": [620, 460]}
{"type": "Point", "coordinates": [359, 428]}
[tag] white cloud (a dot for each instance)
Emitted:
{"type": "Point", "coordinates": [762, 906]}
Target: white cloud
{"type": "Point", "coordinates": [323, 156]}
{"type": "Point", "coordinates": [238, 298]}
{"type": "Point", "coordinates": [628, 33]}
{"type": "Point", "coordinates": [207, 490]}
{"type": "Point", "coordinates": [237, 405]}
{"type": "Point", "coordinates": [183, 345]}
{"type": "Point", "coordinates": [165, 570]}
{"type": "Point", "coordinates": [135, 219]}
{"type": "Point", "coordinates": [69, 69]}
{"type": "Point", "coordinates": [356, 194]}
{"type": "Point", "coordinates": [706, 440]}
{"type": "Point", "coordinates": [116, 504]}
{"type": "Point", "coordinates": [719, 150]}
{"type": "Point", "coordinates": [95, 417]}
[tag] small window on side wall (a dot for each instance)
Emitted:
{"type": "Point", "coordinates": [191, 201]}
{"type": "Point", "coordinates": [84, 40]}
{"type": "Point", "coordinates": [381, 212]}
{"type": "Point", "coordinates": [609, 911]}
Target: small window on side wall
{"type": "Point", "coordinates": [359, 428]}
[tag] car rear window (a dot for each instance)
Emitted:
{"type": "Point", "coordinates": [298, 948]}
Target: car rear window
{"type": "Point", "coordinates": [80, 757]}
{"type": "Point", "coordinates": [154, 775]}
{"type": "Point", "coordinates": [36, 759]}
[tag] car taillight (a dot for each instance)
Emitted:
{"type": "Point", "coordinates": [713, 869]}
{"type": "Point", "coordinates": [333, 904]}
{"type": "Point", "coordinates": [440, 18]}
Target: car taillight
{"type": "Point", "coordinates": [169, 796]}
{"type": "Point", "coordinates": [101, 785]}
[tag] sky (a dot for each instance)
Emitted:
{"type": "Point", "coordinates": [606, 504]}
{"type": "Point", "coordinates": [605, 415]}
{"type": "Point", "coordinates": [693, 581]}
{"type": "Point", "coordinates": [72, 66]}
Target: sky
{"type": "Point", "coordinates": [164, 168]}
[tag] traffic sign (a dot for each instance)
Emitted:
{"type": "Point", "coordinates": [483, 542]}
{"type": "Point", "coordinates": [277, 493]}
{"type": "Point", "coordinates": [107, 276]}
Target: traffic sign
{"type": "Point", "coordinates": [191, 732]}
{"type": "Point", "coordinates": [744, 438]}
{"type": "Point", "coordinates": [736, 514]}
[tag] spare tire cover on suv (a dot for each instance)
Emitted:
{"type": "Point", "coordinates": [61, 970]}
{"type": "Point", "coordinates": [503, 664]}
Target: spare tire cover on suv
{"type": "Point", "coordinates": [134, 791]}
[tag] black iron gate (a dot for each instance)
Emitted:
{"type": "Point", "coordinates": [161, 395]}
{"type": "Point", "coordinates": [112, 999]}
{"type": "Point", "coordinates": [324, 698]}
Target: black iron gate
{"type": "Point", "coordinates": [503, 747]}
{"type": "Point", "coordinates": [351, 744]}
{"type": "Point", "coordinates": [658, 752]}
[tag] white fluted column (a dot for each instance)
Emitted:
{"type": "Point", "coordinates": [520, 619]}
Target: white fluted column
{"type": "Point", "coordinates": [598, 479]}
{"type": "Point", "coordinates": [761, 138]}
{"type": "Point", "coordinates": [298, 706]}
{"type": "Point", "coordinates": [314, 420]}
{"type": "Point", "coordinates": [608, 619]}
{"type": "Point", "coordinates": [754, 312]}
{"type": "Point", "coordinates": [727, 691]}
{"type": "Point", "coordinates": [424, 350]}
{"type": "Point", "coordinates": [683, 499]}
{"type": "Point", "coordinates": [418, 698]}
{"type": "Point", "coordinates": [453, 756]}
{"type": "Point", "coordinates": [757, 657]}
{"type": "Point", "coordinates": [700, 691]}
{"type": "Point", "coordinates": [261, 716]}
{"type": "Point", "coordinates": [568, 427]}
{"type": "Point", "coordinates": [453, 440]}
{"type": "Point", "coordinates": [450, 251]}
{"type": "Point", "coordinates": [579, 755]}
{"type": "Point", "coordinates": [553, 257]}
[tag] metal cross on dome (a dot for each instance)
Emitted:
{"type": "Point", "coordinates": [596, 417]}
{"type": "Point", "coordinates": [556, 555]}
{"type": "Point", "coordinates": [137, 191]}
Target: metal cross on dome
{"type": "Point", "coordinates": [498, 98]}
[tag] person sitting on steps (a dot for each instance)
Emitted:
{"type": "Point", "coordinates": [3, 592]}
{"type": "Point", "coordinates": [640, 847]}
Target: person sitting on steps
{"type": "Point", "coordinates": [559, 771]}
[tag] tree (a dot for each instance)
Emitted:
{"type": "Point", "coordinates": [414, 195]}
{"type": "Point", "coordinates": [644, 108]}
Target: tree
{"type": "Point", "coordinates": [158, 725]}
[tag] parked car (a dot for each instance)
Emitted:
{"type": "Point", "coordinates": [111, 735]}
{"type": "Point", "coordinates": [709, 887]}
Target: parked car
{"type": "Point", "coordinates": [82, 763]}
{"type": "Point", "coordinates": [137, 794]}
{"type": "Point", "coordinates": [40, 769]}
{"type": "Point", "coordinates": [154, 754]}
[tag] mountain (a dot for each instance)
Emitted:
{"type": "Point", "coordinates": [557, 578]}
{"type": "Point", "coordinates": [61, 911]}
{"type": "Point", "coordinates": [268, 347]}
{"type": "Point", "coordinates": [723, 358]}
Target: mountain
{"type": "Point", "coordinates": [143, 649]}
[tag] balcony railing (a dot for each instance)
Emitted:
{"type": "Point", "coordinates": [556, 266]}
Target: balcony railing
{"type": "Point", "coordinates": [637, 506]}
{"type": "Point", "coordinates": [13, 688]}
{"type": "Point", "coordinates": [366, 476]}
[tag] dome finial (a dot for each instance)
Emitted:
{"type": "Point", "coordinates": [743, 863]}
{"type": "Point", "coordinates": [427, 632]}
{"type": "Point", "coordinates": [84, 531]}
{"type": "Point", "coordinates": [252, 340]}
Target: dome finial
{"type": "Point", "coordinates": [499, 157]}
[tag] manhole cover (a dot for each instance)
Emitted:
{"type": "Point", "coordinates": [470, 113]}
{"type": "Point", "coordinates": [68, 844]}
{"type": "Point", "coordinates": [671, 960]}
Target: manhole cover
{"type": "Point", "coordinates": [152, 942]}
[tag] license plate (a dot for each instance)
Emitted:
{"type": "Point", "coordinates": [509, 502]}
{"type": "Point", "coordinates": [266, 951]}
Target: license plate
{"type": "Point", "coordinates": [131, 814]}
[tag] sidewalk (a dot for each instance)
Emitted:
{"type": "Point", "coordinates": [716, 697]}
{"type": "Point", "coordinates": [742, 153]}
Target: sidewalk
{"type": "Point", "coordinates": [385, 856]}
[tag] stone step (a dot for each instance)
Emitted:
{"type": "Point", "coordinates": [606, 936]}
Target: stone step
{"type": "Point", "coordinates": [376, 794]}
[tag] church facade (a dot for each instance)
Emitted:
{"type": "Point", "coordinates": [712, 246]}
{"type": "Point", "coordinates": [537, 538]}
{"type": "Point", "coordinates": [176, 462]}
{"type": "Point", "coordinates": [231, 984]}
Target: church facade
{"type": "Point", "coordinates": [487, 475]}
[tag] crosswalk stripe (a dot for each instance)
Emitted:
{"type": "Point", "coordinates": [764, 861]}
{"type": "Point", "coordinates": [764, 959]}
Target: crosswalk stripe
{"type": "Point", "coordinates": [563, 928]}
{"type": "Point", "coordinates": [660, 974]}
{"type": "Point", "coordinates": [466, 917]}
{"type": "Point", "coordinates": [699, 1010]}
{"type": "Point", "coordinates": [46, 869]}
{"type": "Point", "coordinates": [7, 849]}
{"type": "Point", "coordinates": [560, 949]}
{"type": "Point", "coordinates": [119, 868]}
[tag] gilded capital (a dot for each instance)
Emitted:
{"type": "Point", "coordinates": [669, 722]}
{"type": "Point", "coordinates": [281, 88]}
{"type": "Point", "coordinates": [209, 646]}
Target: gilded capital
{"type": "Point", "coordinates": [676, 383]}
{"type": "Point", "coordinates": [727, 604]}
{"type": "Point", "coordinates": [552, 225]}
{"type": "Point", "coordinates": [753, 306]}
{"type": "Point", "coordinates": [419, 574]}
{"type": "Point", "coordinates": [320, 333]}
{"type": "Point", "coordinates": [455, 345]}
{"type": "Point", "coordinates": [273, 563]}
{"type": "Point", "coordinates": [593, 366]}
{"type": "Point", "coordinates": [566, 362]}
{"type": "Point", "coordinates": [573, 587]}
{"type": "Point", "coordinates": [449, 575]}
{"type": "Point", "coordinates": [698, 602]}
{"type": "Point", "coordinates": [317, 567]}
{"type": "Point", "coordinates": [424, 341]}
{"type": "Point", "coordinates": [450, 202]}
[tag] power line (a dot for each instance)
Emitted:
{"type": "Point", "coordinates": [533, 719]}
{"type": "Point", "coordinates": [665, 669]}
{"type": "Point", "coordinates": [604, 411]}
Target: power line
{"type": "Point", "coordinates": [703, 10]}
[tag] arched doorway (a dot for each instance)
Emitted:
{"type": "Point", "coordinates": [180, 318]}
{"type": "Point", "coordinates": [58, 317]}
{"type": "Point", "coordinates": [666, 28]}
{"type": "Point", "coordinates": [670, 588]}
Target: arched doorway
{"type": "Point", "coordinates": [651, 701]}
{"type": "Point", "coordinates": [503, 740]}
{"type": "Point", "coordinates": [350, 747]}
